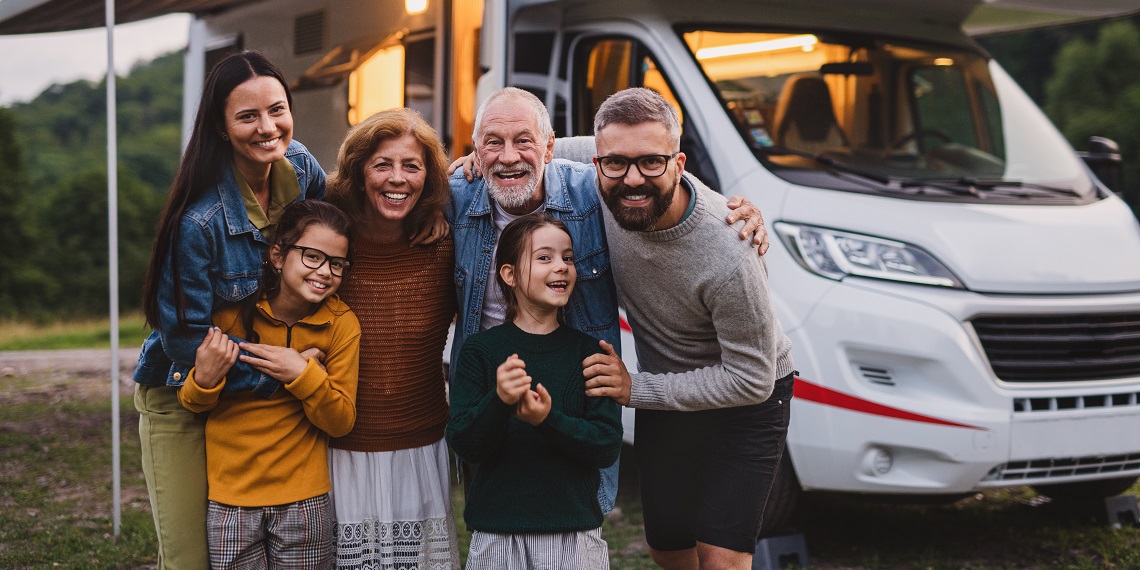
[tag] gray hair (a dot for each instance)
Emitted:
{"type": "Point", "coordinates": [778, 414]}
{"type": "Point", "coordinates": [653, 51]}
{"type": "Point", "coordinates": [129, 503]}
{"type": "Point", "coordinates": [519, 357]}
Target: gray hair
{"type": "Point", "coordinates": [635, 106]}
{"type": "Point", "coordinates": [537, 108]}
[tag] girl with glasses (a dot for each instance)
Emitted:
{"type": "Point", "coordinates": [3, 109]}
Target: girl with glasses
{"type": "Point", "coordinates": [267, 457]}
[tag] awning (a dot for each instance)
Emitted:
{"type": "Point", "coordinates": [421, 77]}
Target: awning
{"type": "Point", "coordinates": [999, 16]}
{"type": "Point", "coordinates": [39, 16]}
{"type": "Point", "coordinates": [990, 16]}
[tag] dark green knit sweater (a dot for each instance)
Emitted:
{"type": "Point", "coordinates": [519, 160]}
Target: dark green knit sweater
{"type": "Point", "coordinates": [532, 479]}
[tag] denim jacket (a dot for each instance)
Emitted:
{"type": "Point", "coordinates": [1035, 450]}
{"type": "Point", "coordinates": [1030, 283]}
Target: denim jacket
{"type": "Point", "coordinates": [572, 197]}
{"type": "Point", "coordinates": [220, 256]}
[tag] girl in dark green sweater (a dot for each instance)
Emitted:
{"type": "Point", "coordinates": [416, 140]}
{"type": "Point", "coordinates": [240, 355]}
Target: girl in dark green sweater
{"type": "Point", "coordinates": [519, 412]}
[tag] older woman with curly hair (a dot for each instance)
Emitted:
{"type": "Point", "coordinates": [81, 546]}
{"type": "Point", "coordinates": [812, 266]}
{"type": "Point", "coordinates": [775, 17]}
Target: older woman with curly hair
{"type": "Point", "coordinates": [390, 474]}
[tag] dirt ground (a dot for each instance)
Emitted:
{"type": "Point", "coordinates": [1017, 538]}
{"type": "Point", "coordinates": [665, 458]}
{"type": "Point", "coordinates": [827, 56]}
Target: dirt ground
{"type": "Point", "coordinates": [64, 375]}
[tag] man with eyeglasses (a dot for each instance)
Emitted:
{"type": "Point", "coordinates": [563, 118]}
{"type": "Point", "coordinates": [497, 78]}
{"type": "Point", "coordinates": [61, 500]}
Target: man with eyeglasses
{"type": "Point", "coordinates": [514, 149]}
{"type": "Point", "coordinates": [715, 380]}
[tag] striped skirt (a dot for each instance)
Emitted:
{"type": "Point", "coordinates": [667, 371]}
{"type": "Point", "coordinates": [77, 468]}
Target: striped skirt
{"type": "Point", "coordinates": [584, 550]}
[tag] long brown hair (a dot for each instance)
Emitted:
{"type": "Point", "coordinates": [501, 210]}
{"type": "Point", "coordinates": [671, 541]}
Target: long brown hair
{"type": "Point", "coordinates": [201, 168]}
{"type": "Point", "coordinates": [345, 187]}
{"type": "Point", "coordinates": [514, 246]}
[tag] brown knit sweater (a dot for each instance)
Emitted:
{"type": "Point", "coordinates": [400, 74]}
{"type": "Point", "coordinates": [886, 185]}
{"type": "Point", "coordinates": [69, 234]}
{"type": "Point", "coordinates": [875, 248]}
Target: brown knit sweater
{"type": "Point", "coordinates": [405, 298]}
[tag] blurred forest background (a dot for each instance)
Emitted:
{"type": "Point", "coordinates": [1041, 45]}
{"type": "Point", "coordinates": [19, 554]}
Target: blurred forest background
{"type": "Point", "coordinates": [53, 222]}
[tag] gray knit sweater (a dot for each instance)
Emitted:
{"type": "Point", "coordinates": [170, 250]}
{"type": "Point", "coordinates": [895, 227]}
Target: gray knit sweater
{"type": "Point", "coordinates": [697, 298]}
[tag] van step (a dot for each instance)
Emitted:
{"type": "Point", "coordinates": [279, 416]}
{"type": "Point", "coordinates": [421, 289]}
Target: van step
{"type": "Point", "coordinates": [779, 552]}
{"type": "Point", "coordinates": [1121, 510]}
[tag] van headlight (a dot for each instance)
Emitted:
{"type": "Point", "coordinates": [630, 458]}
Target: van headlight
{"type": "Point", "coordinates": [835, 254]}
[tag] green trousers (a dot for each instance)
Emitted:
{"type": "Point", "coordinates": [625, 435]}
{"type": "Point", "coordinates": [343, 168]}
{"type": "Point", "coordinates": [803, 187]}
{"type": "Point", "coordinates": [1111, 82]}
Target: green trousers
{"type": "Point", "coordinates": [174, 463]}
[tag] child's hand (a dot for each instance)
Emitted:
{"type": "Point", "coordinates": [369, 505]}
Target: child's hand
{"type": "Point", "coordinates": [534, 406]}
{"type": "Point", "coordinates": [284, 364]}
{"type": "Point", "coordinates": [315, 353]}
{"type": "Point", "coordinates": [214, 357]}
{"type": "Point", "coordinates": [511, 380]}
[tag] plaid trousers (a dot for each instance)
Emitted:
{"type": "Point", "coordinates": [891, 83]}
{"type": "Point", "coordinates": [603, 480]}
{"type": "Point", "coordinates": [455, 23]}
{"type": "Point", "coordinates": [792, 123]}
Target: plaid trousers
{"type": "Point", "coordinates": [295, 535]}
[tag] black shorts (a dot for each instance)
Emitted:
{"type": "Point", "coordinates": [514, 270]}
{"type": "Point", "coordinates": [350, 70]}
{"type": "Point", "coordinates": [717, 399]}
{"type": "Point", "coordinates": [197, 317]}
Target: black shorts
{"type": "Point", "coordinates": [705, 476]}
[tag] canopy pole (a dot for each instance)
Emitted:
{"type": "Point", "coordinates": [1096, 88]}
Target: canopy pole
{"type": "Point", "coordinates": [113, 257]}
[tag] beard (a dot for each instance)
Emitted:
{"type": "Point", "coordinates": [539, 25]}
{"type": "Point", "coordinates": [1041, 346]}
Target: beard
{"type": "Point", "coordinates": [510, 198]}
{"type": "Point", "coordinates": [639, 219]}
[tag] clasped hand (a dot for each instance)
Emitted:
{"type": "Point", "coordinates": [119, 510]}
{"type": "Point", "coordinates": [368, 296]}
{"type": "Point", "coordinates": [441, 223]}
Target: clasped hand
{"type": "Point", "coordinates": [213, 358]}
{"type": "Point", "coordinates": [282, 363]}
{"type": "Point", "coordinates": [512, 385]}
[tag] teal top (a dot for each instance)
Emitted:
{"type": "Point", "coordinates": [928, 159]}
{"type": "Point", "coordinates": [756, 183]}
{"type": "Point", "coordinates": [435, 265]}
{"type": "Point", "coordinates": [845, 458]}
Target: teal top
{"type": "Point", "coordinates": [532, 479]}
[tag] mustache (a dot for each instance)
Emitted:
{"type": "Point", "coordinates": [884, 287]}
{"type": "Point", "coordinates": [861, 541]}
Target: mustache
{"type": "Point", "coordinates": [526, 167]}
{"type": "Point", "coordinates": [622, 191]}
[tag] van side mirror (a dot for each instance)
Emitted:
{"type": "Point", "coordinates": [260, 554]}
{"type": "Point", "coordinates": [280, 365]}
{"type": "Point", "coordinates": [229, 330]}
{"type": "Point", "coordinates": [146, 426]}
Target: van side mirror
{"type": "Point", "coordinates": [1103, 158]}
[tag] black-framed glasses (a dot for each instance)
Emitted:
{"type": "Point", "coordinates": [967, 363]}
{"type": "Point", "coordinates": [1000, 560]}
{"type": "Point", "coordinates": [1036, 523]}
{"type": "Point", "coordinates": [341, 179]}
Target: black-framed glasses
{"type": "Point", "coordinates": [649, 165]}
{"type": "Point", "coordinates": [314, 258]}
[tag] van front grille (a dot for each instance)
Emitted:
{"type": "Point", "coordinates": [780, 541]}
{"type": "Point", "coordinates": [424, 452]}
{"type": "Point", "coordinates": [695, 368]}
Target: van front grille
{"type": "Point", "coordinates": [1044, 469]}
{"type": "Point", "coordinates": [1070, 348]}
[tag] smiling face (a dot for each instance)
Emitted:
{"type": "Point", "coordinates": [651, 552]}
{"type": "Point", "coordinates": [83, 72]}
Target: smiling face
{"type": "Point", "coordinates": [394, 179]}
{"type": "Point", "coordinates": [258, 122]}
{"type": "Point", "coordinates": [544, 279]}
{"type": "Point", "coordinates": [513, 153]}
{"type": "Point", "coordinates": [641, 203]}
{"type": "Point", "coordinates": [302, 288]}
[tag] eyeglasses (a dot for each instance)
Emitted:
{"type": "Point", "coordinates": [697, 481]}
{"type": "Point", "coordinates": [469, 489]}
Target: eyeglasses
{"type": "Point", "coordinates": [649, 165]}
{"type": "Point", "coordinates": [314, 258]}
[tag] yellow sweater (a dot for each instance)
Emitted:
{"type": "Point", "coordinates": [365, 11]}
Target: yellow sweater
{"type": "Point", "coordinates": [273, 451]}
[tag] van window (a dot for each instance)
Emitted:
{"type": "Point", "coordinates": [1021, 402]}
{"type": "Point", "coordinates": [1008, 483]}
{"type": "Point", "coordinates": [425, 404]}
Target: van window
{"type": "Point", "coordinates": [376, 84]}
{"type": "Point", "coordinates": [401, 73]}
{"type": "Point", "coordinates": [942, 108]}
{"type": "Point", "coordinates": [865, 114]}
{"type": "Point", "coordinates": [613, 64]}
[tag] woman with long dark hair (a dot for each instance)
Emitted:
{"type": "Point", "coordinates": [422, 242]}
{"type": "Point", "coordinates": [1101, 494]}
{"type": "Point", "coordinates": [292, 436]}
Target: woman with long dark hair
{"type": "Point", "coordinates": [239, 172]}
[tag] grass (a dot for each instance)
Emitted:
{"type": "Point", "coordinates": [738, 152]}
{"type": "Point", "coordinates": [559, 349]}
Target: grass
{"type": "Point", "coordinates": [1008, 528]}
{"type": "Point", "coordinates": [55, 486]}
{"type": "Point", "coordinates": [90, 333]}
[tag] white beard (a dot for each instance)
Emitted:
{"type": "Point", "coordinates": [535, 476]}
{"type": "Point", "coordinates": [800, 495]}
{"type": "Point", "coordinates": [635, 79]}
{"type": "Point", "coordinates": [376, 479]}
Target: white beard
{"type": "Point", "coordinates": [510, 198]}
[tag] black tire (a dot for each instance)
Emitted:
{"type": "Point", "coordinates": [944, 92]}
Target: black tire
{"type": "Point", "coordinates": [1086, 491]}
{"type": "Point", "coordinates": [783, 500]}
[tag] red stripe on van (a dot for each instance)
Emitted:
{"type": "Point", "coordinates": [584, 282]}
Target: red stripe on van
{"type": "Point", "coordinates": [624, 324]}
{"type": "Point", "coordinates": [805, 390]}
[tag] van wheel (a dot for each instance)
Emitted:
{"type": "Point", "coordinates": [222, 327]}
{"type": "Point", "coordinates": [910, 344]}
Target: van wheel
{"type": "Point", "coordinates": [1084, 491]}
{"type": "Point", "coordinates": [782, 501]}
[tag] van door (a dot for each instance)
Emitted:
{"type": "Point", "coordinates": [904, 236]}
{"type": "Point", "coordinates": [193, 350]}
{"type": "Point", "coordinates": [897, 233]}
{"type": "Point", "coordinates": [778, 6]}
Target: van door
{"type": "Point", "coordinates": [604, 65]}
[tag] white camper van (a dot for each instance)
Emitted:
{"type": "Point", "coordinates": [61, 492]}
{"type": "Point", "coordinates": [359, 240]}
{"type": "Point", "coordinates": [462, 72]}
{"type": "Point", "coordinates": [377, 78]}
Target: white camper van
{"type": "Point", "coordinates": [962, 294]}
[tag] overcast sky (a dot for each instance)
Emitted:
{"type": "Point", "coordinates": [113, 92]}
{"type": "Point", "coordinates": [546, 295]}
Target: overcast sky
{"type": "Point", "coordinates": [31, 63]}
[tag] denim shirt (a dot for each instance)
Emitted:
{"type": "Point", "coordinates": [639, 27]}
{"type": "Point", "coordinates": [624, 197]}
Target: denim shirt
{"type": "Point", "coordinates": [220, 255]}
{"type": "Point", "coordinates": [571, 196]}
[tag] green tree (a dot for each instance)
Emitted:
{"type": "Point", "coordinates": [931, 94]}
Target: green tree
{"type": "Point", "coordinates": [14, 234]}
{"type": "Point", "coordinates": [1096, 91]}
{"type": "Point", "coordinates": [75, 251]}
{"type": "Point", "coordinates": [53, 188]}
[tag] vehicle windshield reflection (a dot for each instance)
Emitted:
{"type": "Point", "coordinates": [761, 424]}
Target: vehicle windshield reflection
{"type": "Point", "coordinates": [889, 113]}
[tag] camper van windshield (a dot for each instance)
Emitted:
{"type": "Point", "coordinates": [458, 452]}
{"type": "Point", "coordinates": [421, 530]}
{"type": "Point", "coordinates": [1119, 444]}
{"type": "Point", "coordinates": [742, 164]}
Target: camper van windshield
{"type": "Point", "coordinates": [902, 116]}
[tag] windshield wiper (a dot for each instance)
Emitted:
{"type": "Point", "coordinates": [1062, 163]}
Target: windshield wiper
{"type": "Point", "coordinates": [989, 184]}
{"type": "Point", "coordinates": [887, 182]}
{"type": "Point", "coordinates": [827, 161]}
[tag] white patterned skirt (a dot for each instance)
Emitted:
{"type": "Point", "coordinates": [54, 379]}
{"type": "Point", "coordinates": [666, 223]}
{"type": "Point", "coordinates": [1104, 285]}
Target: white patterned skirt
{"type": "Point", "coordinates": [393, 509]}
